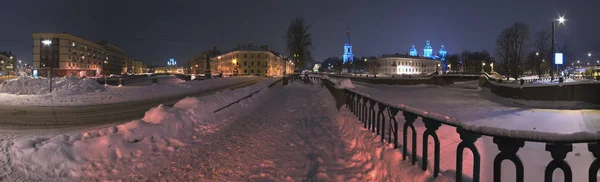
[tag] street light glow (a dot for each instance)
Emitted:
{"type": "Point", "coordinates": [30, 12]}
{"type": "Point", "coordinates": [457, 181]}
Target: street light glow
{"type": "Point", "coordinates": [561, 19]}
{"type": "Point", "coordinates": [589, 54]}
{"type": "Point", "coordinates": [46, 42]}
{"type": "Point", "coordinates": [537, 53]}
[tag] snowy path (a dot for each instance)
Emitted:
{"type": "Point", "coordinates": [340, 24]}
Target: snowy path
{"type": "Point", "coordinates": [289, 137]}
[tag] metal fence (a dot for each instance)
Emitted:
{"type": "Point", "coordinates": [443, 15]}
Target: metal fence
{"type": "Point", "coordinates": [380, 118]}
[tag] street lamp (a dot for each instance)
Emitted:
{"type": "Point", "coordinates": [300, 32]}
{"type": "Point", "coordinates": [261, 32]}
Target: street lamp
{"type": "Point", "coordinates": [589, 54]}
{"type": "Point", "coordinates": [561, 20]}
{"type": "Point", "coordinates": [537, 53]}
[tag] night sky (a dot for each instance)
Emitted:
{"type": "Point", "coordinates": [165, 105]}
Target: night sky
{"type": "Point", "coordinates": [153, 31]}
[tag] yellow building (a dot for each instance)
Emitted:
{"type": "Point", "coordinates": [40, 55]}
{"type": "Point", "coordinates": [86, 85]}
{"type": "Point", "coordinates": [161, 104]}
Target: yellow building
{"type": "Point", "coordinates": [134, 66]}
{"type": "Point", "coordinates": [70, 55]}
{"type": "Point", "coordinates": [249, 60]}
{"type": "Point", "coordinates": [168, 69]}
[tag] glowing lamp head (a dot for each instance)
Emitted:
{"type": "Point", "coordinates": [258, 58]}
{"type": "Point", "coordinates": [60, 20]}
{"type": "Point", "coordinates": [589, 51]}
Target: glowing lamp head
{"type": "Point", "coordinates": [561, 19]}
{"type": "Point", "coordinates": [589, 54]}
{"type": "Point", "coordinates": [234, 61]}
{"type": "Point", "coordinates": [46, 42]}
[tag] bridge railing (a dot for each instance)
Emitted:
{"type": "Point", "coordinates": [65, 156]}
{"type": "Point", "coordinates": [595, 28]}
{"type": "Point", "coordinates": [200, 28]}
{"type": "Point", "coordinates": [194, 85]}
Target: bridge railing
{"type": "Point", "coordinates": [379, 117]}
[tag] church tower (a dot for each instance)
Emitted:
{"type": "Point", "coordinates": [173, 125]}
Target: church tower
{"type": "Point", "coordinates": [348, 56]}
{"type": "Point", "coordinates": [427, 51]}
{"type": "Point", "coordinates": [413, 51]}
{"type": "Point", "coordinates": [443, 53]}
{"type": "Point", "coordinates": [443, 58]}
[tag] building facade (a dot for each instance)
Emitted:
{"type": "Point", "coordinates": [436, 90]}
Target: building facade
{"type": "Point", "coordinates": [404, 65]}
{"type": "Point", "coordinates": [134, 66]}
{"type": "Point", "coordinates": [116, 60]}
{"type": "Point", "coordinates": [348, 57]}
{"type": "Point", "coordinates": [8, 64]}
{"type": "Point", "coordinates": [66, 54]}
{"type": "Point", "coordinates": [197, 65]}
{"type": "Point", "coordinates": [250, 60]}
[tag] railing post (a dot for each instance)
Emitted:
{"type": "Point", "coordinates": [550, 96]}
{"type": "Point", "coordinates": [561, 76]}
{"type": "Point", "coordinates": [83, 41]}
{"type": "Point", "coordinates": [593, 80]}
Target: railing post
{"type": "Point", "coordinates": [357, 108]}
{"type": "Point", "coordinates": [468, 141]}
{"type": "Point", "coordinates": [410, 119]}
{"type": "Point", "coordinates": [594, 147]}
{"type": "Point", "coordinates": [431, 125]}
{"type": "Point", "coordinates": [381, 119]}
{"type": "Point", "coordinates": [372, 115]}
{"type": "Point", "coordinates": [508, 150]}
{"type": "Point", "coordinates": [351, 101]}
{"type": "Point", "coordinates": [558, 152]}
{"type": "Point", "coordinates": [392, 112]}
{"type": "Point", "coordinates": [364, 111]}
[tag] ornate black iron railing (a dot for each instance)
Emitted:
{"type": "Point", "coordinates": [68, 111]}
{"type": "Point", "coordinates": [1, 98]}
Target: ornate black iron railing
{"type": "Point", "coordinates": [379, 117]}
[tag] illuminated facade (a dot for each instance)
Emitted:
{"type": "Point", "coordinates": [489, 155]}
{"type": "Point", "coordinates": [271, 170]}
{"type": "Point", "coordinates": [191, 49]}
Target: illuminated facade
{"type": "Point", "coordinates": [413, 51]}
{"type": "Point", "coordinates": [348, 56]}
{"type": "Point", "coordinates": [169, 69]}
{"type": "Point", "coordinates": [428, 50]}
{"type": "Point", "coordinates": [403, 65]}
{"type": "Point", "coordinates": [250, 60]}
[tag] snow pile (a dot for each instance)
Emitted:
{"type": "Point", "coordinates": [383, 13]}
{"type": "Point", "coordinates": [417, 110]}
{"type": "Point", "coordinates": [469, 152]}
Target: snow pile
{"type": "Point", "coordinates": [107, 151]}
{"type": "Point", "coordinates": [76, 94]}
{"type": "Point", "coordinates": [345, 83]}
{"type": "Point", "coordinates": [68, 85]}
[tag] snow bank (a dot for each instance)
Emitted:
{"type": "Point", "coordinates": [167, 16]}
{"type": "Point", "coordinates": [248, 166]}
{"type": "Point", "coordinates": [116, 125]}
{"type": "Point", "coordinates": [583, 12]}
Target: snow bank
{"type": "Point", "coordinates": [68, 85]}
{"type": "Point", "coordinates": [345, 83]}
{"type": "Point", "coordinates": [385, 161]}
{"type": "Point", "coordinates": [108, 151]}
{"type": "Point", "coordinates": [112, 94]}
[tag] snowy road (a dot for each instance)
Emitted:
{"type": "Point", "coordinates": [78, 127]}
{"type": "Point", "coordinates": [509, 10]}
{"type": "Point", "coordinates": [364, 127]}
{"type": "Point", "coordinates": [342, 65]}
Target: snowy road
{"type": "Point", "coordinates": [469, 104]}
{"type": "Point", "coordinates": [30, 117]}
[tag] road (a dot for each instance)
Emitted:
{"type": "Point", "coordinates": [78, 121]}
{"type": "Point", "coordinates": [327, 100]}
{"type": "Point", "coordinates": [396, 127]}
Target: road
{"type": "Point", "coordinates": [42, 117]}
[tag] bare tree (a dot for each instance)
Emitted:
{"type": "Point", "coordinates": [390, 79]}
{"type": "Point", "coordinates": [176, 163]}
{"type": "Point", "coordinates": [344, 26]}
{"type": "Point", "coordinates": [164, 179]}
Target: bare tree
{"type": "Point", "coordinates": [299, 43]}
{"type": "Point", "coordinates": [542, 46]}
{"type": "Point", "coordinates": [510, 45]}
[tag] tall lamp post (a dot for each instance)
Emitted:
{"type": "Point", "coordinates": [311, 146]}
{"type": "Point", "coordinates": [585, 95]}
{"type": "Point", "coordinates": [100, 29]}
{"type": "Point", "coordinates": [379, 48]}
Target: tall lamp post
{"type": "Point", "coordinates": [561, 20]}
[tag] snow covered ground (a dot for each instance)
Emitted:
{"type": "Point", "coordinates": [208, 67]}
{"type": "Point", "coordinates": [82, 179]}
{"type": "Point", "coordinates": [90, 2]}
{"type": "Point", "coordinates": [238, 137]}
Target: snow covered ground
{"type": "Point", "coordinates": [478, 106]}
{"type": "Point", "coordinates": [475, 106]}
{"type": "Point", "coordinates": [68, 85]}
{"type": "Point", "coordinates": [281, 134]}
{"type": "Point", "coordinates": [73, 95]}
{"type": "Point", "coordinates": [109, 151]}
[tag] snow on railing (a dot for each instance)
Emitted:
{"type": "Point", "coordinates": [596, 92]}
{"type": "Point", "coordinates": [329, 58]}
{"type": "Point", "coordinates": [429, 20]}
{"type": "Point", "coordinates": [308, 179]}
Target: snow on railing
{"type": "Point", "coordinates": [373, 113]}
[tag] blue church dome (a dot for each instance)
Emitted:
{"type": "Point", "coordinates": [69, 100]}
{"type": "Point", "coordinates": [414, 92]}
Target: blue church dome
{"type": "Point", "coordinates": [413, 51]}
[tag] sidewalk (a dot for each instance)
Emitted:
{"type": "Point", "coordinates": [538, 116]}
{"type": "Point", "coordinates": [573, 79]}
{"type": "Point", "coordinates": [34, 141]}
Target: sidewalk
{"type": "Point", "coordinates": [291, 136]}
